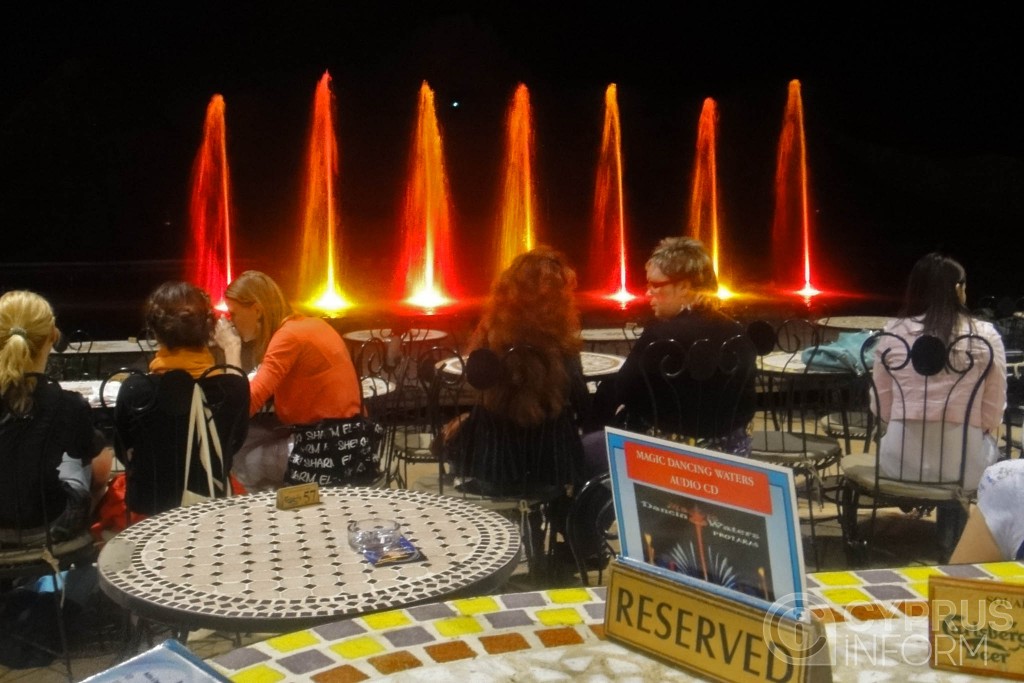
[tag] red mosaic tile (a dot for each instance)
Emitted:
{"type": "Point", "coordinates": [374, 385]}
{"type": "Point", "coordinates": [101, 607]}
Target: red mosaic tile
{"type": "Point", "coordinates": [866, 611]}
{"type": "Point", "coordinates": [450, 651]}
{"type": "Point", "coordinates": [394, 661]}
{"type": "Point", "coordinates": [913, 608]}
{"type": "Point", "coordinates": [340, 674]}
{"type": "Point", "coordinates": [556, 637]}
{"type": "Point", "coordinates": [509, 642]}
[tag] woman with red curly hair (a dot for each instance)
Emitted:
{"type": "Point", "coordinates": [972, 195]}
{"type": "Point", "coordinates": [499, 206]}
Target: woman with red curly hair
{"type": "Point", "coordinates": [525, 433]}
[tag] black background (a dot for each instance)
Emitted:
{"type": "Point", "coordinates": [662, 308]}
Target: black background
{"type": "Point", "coordinates": [913, 120]}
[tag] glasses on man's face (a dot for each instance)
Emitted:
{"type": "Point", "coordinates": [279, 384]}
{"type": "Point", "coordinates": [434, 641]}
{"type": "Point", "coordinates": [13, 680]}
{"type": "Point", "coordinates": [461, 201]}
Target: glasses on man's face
{"type": "Point", "coordinates": [655, 285]}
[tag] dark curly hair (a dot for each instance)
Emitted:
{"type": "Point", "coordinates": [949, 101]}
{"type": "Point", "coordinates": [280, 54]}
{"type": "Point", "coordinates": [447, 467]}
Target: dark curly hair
{"type": "Point", "coordinates": [532, 304]}
{"type": "Point", "coordinates": [180, 315]}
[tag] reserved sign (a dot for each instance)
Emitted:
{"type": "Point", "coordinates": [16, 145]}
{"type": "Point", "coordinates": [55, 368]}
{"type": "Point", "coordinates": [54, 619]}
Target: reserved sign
{"type": "Point", "coordinates": [976, 626]}
{"type": "Point", "coordinates": [711, 636]}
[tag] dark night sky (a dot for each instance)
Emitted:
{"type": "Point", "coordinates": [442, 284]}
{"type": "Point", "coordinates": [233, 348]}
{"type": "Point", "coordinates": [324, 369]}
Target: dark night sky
{"type": "Point", "coordinates": [913, 120]}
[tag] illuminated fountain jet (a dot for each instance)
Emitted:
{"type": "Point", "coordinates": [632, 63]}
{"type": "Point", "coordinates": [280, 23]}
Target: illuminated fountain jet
{"type": "Point", "coordinates": [426, 266]}
{"type": "Point", "coordinates": [791, 229]}
{"type": "Point", "coordinates": [209, 250]}
{"type": "Point", "coordinates": [318, 278]}
{"type": "Point", "coordinates": [517, 227]}
{"type": "Point", "coordinates": [704, 213]}
{"type": "Point", "coordinates": [608, 247]}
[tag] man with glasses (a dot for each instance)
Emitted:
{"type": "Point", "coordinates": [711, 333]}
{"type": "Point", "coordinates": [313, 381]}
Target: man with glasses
{"type": "Point", "coordinates": [714, 411]}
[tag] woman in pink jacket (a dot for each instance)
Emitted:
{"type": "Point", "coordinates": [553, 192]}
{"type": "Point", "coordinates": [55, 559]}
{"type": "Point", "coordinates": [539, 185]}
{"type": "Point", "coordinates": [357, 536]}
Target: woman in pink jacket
{"type": "Point", "coordinates": [934, 305]}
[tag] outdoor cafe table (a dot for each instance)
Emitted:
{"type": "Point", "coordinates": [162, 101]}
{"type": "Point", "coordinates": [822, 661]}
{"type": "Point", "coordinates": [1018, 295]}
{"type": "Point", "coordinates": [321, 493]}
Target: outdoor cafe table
{"type": "Point", "coordinates": [242, 564]}
{"type": "Point", "coordinates": [875, 622]}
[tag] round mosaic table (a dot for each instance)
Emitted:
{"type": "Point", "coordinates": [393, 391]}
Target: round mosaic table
{"type": "Point", "coordinates": [595, 365]}
{"type": "Point", "coordinates": [415, 335]}
{"type": "Point", "coordinates": [242, 564]}
{"type": "Point", "coordinates": [854, 322]}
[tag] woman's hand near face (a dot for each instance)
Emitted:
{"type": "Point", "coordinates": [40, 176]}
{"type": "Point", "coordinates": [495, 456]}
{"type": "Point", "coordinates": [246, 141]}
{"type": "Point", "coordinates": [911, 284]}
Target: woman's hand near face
{"type": "Point", "coordinates": [226, 337]}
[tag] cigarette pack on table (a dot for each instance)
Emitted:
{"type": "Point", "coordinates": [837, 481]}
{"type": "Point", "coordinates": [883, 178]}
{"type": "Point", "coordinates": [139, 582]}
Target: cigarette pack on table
{"type": "Point", "coordinates": [401, 552]}
{"type": "Point", "coordinates": [169, 662]}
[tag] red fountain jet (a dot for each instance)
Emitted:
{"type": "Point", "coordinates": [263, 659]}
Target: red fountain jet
{"type": "Point", "coordinates": [608, 248]}
{"type": "Point", "coordinates": [517, 228]}
{"type": "Point", "coordinates": [791, 230]}
{"type": "Point", "coordinates": [209, 260]}
{"type": "Point", "coordinates": [318, 278]}
{"type": "Point", "coordinates": [427, 265]}
{"type": "Point", "coordinates": [704, 213]}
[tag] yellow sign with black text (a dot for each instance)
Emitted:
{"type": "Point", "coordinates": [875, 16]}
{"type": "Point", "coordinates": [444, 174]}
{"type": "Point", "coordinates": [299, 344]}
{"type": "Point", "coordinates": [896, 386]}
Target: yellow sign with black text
{"type": "Point", "coordinates": [976, 626]}
{"type": "Point", "coordinates": [712, 636]}
{"type": "Point", "coordinates": [298, 496]}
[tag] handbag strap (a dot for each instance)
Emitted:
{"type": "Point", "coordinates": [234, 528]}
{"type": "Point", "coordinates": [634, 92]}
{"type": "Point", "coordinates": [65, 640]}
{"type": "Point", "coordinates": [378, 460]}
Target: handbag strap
{"type": "Point", "coordinates": [202, 436]}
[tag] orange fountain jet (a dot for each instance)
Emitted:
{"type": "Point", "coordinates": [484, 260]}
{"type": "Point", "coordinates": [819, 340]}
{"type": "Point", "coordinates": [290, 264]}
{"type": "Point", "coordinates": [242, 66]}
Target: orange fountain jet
{"type": "Point", "coordinates": [608, 248]}
{"type": "Point", "coordinates": [318, 276]}
{"type": "Point", "coordinates": [791, 227]}
{"type": "Point", "coordinates": [209, 259]}
{"type": "Point", "coordinates": [517, 230]}
{"type": "Point", "coordinates": [427, 267]}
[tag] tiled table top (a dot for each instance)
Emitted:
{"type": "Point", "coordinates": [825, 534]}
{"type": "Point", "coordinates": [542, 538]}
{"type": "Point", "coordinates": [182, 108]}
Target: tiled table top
{"type": "Point", "coordinates": [242, 564]}
{"type": "Point", "coordinates": [557, 634]}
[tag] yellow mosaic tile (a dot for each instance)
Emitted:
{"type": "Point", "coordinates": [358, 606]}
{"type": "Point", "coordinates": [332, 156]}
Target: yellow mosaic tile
{"type": "Point", "coordinates": [458, 626]}
{"type": "Point", "coordinates": [1006, 570]}
{"type": "Point", "coordinates": [356, 648]}
{"type": "Point", "coordinates": [261, 673]}
{"type": "Point", "coordinates": [564, 616]}
{"type": "Point", "coordinates": [476, 605]}
{"type": "Point", "coordinates": [293, 641]}
{"type": "Point", "coordinates": [844, 596]}
{"type": "Point", "coordinates": [563, 596]}
{"type": "Point", "coordinates": [383, 620]}
{"type": "Point", "coordinates": [919, 573]}
{"type": "Point", "coordinates": [919, 587]}
{"type": "Point", "coordinates": [838, 579]}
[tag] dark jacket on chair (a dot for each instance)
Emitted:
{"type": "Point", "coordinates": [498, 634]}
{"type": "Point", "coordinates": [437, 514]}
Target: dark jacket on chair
{"type": "Point", "coordinates": [31, 449]}
{"type": "Point", "coordinates": [708, 408]}
{"type": "Point", "coordinates": [152, 417]}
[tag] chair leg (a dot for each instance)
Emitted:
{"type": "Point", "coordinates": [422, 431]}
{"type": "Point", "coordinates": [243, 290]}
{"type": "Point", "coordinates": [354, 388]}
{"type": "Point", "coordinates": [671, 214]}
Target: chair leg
{"type": "Point", "coordinates": [852, 543]}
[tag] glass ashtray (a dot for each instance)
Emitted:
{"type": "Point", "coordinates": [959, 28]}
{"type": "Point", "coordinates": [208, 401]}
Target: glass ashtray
{"type": "Point", "coordinates": [372, 534]}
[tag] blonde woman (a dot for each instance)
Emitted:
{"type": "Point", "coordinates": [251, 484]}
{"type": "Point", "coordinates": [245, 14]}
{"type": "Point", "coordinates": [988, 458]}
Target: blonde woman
{"type": "Point", "coordinates": [50, 453]}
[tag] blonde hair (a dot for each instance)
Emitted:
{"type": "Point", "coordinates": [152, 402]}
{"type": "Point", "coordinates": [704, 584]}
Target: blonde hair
{"type": "Point", "coordinates": [252, 287]}
{"type": "Point", "coordinates": [26, 325]}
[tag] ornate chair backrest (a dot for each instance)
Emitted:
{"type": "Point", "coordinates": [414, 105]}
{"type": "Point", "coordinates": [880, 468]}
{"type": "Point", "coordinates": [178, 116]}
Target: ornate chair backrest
{"type": "Point", "coordinates": [936, 388]}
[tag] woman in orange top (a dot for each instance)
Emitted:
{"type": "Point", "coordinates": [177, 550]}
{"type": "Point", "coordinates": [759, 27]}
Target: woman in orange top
{"type": "Point", "coordinates": [301, 364]}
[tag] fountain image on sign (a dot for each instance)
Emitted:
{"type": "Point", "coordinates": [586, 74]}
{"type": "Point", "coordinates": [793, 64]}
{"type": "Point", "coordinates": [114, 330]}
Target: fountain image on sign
{"type": "Point", "coordinates": [426, 271]}
{"type": "Point", "coordinates": [209, 250]}
{"type": "Point", "coordinates": [608, 246]}
{"type": "Point", "coordinates": [517, 230]}
{"type": "Point", "coordinates": [705, 216]}
{"type": "Point", "coordinates": [318, 276]}
{"type": "Point", "coordinates": [791, 229]}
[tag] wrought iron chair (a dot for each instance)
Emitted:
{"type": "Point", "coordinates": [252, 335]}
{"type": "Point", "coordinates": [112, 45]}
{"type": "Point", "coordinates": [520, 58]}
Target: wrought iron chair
{"type": "Point", "coordinates": [795, 397]}
{"type": "Point", "coordinates": [701, 394]}
{"type": "Point", "coordinates": [31, 544]}
{"type": "Point", "coordinates": [523, 472]}
{"type": "Point", "coordinates": [590, 528]}
{"type": "Point", "coordinates": [921, 463]}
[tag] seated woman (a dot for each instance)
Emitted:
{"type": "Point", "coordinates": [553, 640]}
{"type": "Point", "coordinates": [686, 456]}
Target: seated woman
{"type": "Point", "coordinates": [934, 305]}
{"type": "Point", "coordinates": [49, 448]}
{"type": "Point", "coordinates": [152, 412]}
{"type": "Point", "coordinates": [995, 526]}
{"type": "Point", "coordinates": [303, 365]}
{"type": "Point", "coordinates": [526, 435]}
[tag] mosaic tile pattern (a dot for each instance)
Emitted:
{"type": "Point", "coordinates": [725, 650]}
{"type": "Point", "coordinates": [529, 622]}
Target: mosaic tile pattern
{"type": "Point", "coordinates": [557, 634]}
{"type": "Point", "coordinates": [240, 563]}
